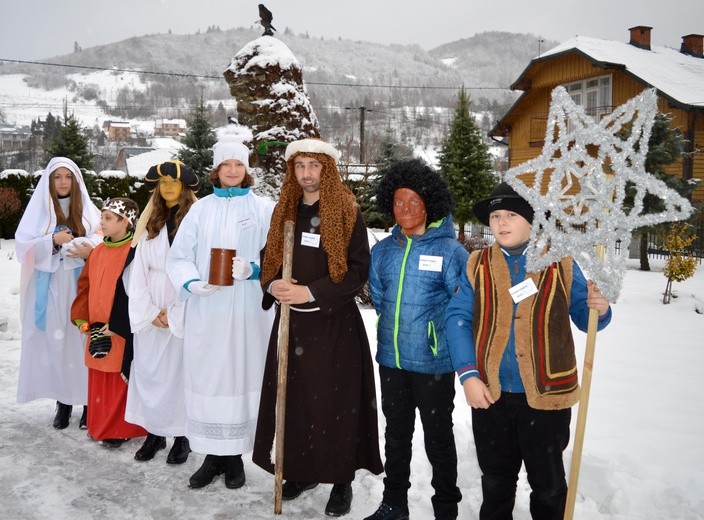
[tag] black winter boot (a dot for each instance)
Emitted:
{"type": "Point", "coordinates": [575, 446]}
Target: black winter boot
{"type": "Point", "coordinates": [83, 423]}
{"type": "Point", "coordinates": [63, 413]}
{"type": "Point", "coordinates": [152, 444]}
{"type": "Point", "coordinates": [178, 454]}
{"type": "Point", "coordinates": [212, 466]}
{"type": "Point", "coordinates": [292, 489]}
{"type": "Point", "coordinates": [234, 471]}
{"type": "Point", "coordinates": [340, 501]}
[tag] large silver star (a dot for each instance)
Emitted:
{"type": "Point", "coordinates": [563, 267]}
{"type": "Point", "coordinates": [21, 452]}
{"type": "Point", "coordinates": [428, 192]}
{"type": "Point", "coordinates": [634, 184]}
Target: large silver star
{"type": "Point", "coordinates": [585, 165]}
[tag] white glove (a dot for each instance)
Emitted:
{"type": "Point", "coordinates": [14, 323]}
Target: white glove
{"type": "Point", "coordinates": [201, 288]}
{"type": "Point", "coordinates": [241, 268]}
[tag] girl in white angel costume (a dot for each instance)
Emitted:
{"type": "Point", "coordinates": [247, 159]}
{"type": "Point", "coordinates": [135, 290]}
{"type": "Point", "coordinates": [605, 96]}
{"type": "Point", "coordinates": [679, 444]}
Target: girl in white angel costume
{"type": "Point", "coordinates": [155, 396]}
{"type": "Point", "coordinates": [226, 329]}
{"type": "Point", "coordinates": [54, 237]}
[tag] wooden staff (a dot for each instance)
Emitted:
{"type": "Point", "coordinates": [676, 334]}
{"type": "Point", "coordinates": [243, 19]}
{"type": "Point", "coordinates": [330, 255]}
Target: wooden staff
{"type": "Point", "coordinates": [282, 371]}
{"type": "Point", "coordinates": [583, 405]}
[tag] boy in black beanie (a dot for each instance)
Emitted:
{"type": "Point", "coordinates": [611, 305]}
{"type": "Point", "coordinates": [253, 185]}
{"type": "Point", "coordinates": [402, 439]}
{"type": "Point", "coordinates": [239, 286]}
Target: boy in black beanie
{"type": "Point", "coordinates": [511, 345]}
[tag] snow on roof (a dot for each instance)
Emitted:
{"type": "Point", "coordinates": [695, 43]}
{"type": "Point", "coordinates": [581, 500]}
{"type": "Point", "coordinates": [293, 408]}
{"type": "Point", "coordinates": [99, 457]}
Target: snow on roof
{"type": "Point", "coordinates": [167, 142]}
{"type": "Point", "coordinates": [138, 165]}
{"type": "Point", "coordinates": [162, 122]}
{"type": "Point", "coordinates": [266, 51]}
{"type": "Point", "coordinates": [676, 75]}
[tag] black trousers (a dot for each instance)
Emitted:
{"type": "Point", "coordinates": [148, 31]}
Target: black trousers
{"type": "Point", "coordinates": [401, 393]}
{"type": "Point", "coordinates": [509, 433]}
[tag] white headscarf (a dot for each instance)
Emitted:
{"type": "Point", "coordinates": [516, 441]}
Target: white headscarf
{"type": "Point", "coordinates": [39, 219]}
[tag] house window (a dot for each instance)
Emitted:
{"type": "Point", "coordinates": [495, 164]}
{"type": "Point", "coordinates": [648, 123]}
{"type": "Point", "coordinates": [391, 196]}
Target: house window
{"type": "Point", "coordinates": [594, 94]}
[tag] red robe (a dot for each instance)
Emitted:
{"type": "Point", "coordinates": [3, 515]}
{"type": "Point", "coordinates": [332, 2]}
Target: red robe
{"type": "Point", "coordinates": [107, 390]}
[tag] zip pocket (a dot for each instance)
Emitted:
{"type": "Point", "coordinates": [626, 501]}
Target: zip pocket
{"type": "Point", "coordinates": [432, 338]}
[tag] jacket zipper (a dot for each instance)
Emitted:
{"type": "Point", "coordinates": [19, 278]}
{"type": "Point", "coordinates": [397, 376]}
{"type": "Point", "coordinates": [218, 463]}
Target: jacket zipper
{"type": "Point", "coordinates": [399, 292]}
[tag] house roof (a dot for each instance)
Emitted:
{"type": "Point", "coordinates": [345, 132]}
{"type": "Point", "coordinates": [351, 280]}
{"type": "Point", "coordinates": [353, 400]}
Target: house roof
{"type": "Point", "coordinates": [138, 165]}
{"type": "Point", "coordinates": [675, 75]}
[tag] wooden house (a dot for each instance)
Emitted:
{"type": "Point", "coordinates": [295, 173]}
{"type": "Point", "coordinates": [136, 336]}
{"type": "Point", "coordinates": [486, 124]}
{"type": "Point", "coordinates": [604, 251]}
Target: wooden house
{"type": "Point", "coordinates": [117, 130]}
{"type": "Point", "coordinates": [602, 74]}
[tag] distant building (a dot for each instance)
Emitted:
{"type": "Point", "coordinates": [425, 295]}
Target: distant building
{"type": "Point", "coordinates": [175, 128]}
{"type": "Point", "coordinates": [13, 138]}
{"type": "Point", "coordinates": [117, 130]}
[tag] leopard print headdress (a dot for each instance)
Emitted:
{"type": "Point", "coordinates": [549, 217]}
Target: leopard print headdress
{"type": "Point", "coordinates": [338, 214]}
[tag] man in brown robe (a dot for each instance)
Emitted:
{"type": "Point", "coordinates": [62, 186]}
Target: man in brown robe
{"type": "Point", "coordinates": [331, 420]}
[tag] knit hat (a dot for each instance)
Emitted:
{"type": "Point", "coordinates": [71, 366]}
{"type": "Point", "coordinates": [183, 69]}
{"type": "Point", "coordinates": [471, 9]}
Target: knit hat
{"type": "Point", "coordinates": [119, 206]}
{"type": "Point", "coordinates": [505, 197]}
{"type": "Point", "coordinates": [175, 170]}
{"type": "Point", "coordinates": [229, 149]}
{"type": "Point", "coordinates": [311, 146]}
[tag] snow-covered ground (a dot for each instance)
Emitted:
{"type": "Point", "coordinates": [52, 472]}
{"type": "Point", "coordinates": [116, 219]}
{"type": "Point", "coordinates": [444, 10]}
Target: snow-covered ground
{"type": "Point", "coordinates": [643, 453]}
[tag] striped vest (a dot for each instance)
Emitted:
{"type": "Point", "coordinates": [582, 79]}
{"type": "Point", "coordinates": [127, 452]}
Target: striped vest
{"type": "Point", "coordinates": [542, 330]}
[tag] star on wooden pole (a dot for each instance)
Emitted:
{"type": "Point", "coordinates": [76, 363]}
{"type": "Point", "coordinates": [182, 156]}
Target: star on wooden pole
{"type": "Point", "coordinates": [585, 166]}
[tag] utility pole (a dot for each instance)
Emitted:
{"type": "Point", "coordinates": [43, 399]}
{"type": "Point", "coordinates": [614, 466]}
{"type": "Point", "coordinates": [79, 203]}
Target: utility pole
{"type": "Point", "coordinates": [362, 113]}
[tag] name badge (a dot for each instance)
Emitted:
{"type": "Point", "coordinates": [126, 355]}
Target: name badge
{"type": "Point", "coordinates": [246, 223]}
{"type": "Point", "coordinates": [523, 290]}
{"type": "Point", "coordinates": [430, 263]}
{"type": "Point", "coordinates": [310, 239]}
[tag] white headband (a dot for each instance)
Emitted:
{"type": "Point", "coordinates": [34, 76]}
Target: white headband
{"type": "Point", "coordinates": [118, 207]}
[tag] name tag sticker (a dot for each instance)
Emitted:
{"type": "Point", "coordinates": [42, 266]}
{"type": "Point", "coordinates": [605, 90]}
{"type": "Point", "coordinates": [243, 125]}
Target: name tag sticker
{"type": "Point", "coordinates": [430, 263]}
{"type": "Point", "coordinates": [246, 222]}
{"type": "Point", "coordinates": [310, 239]}
{"type": "Point", "coordinates": [523, 290]}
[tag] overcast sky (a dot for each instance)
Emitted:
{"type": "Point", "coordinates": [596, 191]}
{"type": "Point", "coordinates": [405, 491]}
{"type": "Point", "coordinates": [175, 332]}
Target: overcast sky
{"type": "Point", "coordinates": [35, 29]}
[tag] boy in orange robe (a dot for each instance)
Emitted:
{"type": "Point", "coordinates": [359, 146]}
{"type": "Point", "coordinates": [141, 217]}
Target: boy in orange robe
{"type": "Point", "coordinates": [91, 311]}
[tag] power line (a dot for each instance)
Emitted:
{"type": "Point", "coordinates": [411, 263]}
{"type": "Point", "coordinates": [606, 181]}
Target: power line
{"type": "Point", "coordinates": [203, 76]}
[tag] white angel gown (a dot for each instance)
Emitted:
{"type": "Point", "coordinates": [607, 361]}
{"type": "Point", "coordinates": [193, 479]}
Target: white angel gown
{"type": "Point", "coordinates": [51, 358]}
{"type": "Point", "coordinates": [155, 396]}
{"type": "Point", "coordinates": [226, 333]}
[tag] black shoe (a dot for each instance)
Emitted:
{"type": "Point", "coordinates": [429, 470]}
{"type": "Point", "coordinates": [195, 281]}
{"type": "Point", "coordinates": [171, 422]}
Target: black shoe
{"type": "Point", "coordinates": [234, 471]}
{"type": "Point", "coordinates": [212, 466]}
{"type": "Point", "coordinates": [152, 444]}
{"type": "Point", "coordinates": [387, 512]}
{"type": "Point", "coordinates": [292, 489]}
{"type": "Point", "coordinates": [83, 423]}
{"type": "Point", "coordinates": [112, 443]}
{"type": "Point", "coordinates": [63, 413]}
{"type": "Point", "coordinates": [340, 501]}
{"type": "Point", "coordinates": [178, 454]}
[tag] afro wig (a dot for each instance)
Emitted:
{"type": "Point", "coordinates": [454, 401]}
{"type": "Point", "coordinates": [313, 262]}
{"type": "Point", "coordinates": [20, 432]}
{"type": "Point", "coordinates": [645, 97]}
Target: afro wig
{"type": "Point", "coordinates": [415, 175]}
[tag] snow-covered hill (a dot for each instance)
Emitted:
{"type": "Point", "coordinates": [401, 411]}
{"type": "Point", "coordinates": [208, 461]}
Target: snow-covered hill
{"type": "Point", "coordinates": [186, 65]}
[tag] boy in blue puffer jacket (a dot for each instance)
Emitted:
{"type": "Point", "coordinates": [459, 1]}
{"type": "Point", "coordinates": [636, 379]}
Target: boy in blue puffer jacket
{"type": "Point", "coordinates": [412, 277]}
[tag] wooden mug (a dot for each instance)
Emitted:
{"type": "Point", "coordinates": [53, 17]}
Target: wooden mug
{"type": "Point", "coordinates": [221, 266]}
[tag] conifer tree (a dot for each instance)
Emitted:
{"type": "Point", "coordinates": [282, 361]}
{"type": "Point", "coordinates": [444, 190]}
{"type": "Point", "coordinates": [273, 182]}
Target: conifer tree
{"type": "Point", "coordinates": [199, 141]}
{"type": "Point", "coordinates": [391, 152]}
{"type": "Point", "coordinates": [665, 147]}
{"type": "Point", "coordinates": [465, 163]}
{"type": "Point", "coordinates": [52, 128]}
{"type": "Point", "coordinates": [71, 142]}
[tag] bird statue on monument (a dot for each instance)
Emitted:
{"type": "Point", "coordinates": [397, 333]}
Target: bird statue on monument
{"type": "Point", "coordinates": [265, 19]}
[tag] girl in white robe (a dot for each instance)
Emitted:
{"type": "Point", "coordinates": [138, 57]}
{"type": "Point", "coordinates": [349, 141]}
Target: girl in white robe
{"type": "Point", "coordinates": [226, 330]}
{"type": "Point", "coordinates": [54, 237]}
{"type": "Point", "coordinates": [155, 396]}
